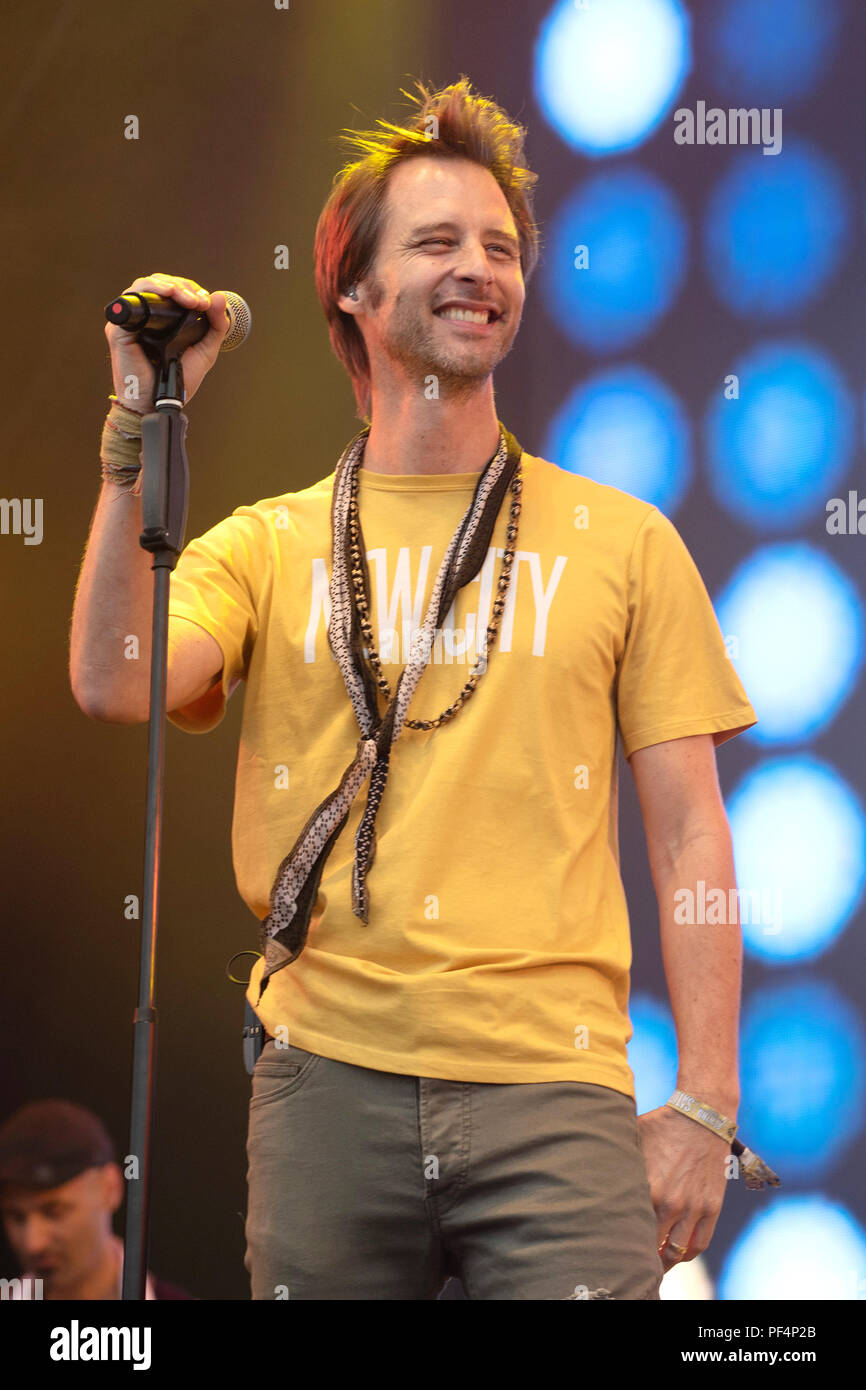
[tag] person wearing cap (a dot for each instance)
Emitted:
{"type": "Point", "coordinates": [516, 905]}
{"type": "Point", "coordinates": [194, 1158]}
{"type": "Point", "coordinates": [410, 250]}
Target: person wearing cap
{"type": "Point", "coordinates": [60, 1185]}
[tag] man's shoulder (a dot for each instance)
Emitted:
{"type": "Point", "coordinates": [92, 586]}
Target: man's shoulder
{"type": "Point", "coordinates": [313, 492]}
{"type": "Point", "coordinates": [612, 504]}
{"type": "Point", "coordinates": [313, 497]}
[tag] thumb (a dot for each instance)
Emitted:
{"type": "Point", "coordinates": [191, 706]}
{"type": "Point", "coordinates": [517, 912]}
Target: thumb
{"type": "Point", "coordinates": [217, 313]}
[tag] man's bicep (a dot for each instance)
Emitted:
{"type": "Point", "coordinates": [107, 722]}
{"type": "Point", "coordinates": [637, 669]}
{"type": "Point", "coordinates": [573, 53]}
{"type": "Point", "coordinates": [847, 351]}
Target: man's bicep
{"type": "Point", "coordinates": [195, 663]}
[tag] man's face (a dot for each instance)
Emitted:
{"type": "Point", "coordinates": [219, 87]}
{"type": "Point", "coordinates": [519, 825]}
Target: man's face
{"type": "Point", "coordinates": [447, 238]}
{"type": "Point", "coordinates": [59, 1235]}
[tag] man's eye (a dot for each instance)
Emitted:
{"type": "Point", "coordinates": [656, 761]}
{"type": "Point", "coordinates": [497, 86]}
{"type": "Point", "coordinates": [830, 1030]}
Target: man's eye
{"type": "Point", "coordinates": [446, 241]}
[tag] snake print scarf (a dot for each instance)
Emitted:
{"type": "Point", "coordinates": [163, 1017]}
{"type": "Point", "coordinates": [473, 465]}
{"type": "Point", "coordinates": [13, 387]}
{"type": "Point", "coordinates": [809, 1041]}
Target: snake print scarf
{"type": "Point", "coordinates": [284, 931]}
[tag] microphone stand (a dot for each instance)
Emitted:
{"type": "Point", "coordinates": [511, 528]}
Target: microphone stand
{"type": "Point", "coordinates": [165, 486]}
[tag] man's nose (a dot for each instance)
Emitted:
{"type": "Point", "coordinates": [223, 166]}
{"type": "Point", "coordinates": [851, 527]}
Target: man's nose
{"type": "Point", "coordinates": [473, 264]}
{"type": "Point", "coordinates": [33, 1237]}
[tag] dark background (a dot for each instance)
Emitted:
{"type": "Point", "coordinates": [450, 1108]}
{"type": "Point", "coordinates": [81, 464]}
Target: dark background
{"type": "Point", "coordinates": [239, 107]}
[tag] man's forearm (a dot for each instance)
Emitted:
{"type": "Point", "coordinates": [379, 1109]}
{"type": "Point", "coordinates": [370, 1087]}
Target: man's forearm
{"type": "Point", "coordinates": [703, 965]}
{"type": "Point", "coordinates": [113, 600]}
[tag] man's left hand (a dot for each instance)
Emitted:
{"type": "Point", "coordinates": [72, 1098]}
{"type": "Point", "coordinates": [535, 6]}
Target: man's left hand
{"type": "Point", "coordinates": [686, 1169]}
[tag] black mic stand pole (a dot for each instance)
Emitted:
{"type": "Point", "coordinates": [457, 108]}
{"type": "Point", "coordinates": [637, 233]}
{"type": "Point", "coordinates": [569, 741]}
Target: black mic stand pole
{"type": "Point", "coordinates": [165, 486]}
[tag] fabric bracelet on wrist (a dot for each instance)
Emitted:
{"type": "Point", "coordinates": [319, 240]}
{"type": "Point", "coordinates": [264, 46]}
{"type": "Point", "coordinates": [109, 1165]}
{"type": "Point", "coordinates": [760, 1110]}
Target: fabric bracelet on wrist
{"type": "Point", "coordinates": [120, 449]}
{"type": "Point", "coordinates": [704, 1115]}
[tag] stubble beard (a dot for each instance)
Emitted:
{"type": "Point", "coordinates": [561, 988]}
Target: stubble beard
{"type": "Point", "coordinates": [411, 340]}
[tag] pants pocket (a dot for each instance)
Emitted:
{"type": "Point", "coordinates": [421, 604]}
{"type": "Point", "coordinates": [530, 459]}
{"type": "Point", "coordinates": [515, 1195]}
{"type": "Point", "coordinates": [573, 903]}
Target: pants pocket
{"type": "Point", "coordinates": [280, 1071]}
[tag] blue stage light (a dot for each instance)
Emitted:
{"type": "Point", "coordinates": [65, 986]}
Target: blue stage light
{"type": "Point", "coordinates": [605, 75]}
{"type": "Point", "coordinates": [793, 622]}
{"type": "Point", "coordinates": [626, 428]}
{"type": "Point", "coordinates": [802, 1055]}
{"type": "Point", "coordinates": [769, 51]}
{"type": "Point", "coordinates": [775, 230]}
{"type": "Point", "coordinates": [797, 1248]}
{"type": "Point", "coordinates": [780, 446]}
{"type": "Point", "coordinates": [799, 835]}
{"type": "Point", "coordinates": [617, 257]}
{"type": "Point", "coordinates": [652, 1052]}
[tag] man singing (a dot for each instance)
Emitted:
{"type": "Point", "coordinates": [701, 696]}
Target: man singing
{"type": "Point", "coordinates": [441, 642]}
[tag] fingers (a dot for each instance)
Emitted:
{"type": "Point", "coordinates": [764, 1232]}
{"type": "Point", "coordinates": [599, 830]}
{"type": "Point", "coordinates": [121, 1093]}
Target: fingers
{"type": "Point", "coordinates": [687, 1237]}
{"type": "Point", "coordinates": [675, 1233]}
{"type": "Point", "coordinates": [703, 1233]}
{"type": "Point", "coordinates": [192, 294]}
{"type": "Point", "coordinates": [185, 291]}
{"type": "Point", "coordinates": [218, 313]}
{"type": "Point", "coordinates": [674, 1250]}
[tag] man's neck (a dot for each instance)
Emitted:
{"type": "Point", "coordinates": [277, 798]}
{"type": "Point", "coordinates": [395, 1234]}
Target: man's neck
{"type": "Point", "coordinates": [410, 434]}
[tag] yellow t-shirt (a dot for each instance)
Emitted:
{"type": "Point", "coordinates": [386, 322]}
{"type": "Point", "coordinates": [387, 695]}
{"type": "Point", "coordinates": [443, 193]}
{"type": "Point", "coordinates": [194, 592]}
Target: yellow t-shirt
{"type": "Point", "coordinates": [498, 945]}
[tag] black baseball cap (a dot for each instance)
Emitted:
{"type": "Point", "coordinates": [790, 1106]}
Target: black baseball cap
{"type": "Point", "coordinates": [48, 1142]}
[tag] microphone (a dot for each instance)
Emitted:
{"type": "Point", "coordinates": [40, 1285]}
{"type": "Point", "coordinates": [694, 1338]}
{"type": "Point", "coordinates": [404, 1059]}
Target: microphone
{"type": "Point", "coordinates": [162, 317]}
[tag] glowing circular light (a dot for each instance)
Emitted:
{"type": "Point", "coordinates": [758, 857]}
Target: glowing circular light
{"type": "Point", "coordinates": [799, 1248]}
{"type": "Point", "coordinates": [799, 836]}
{"type": "Point", "coordinates": [794, 626]}
{"type": "Point", "coordinates": [770, 50]}
{"type": "Point", "coordinates": [688, 1282]}
{"type": "Point", "coordinates": [606, 74]}
{"type": "Point", "coordinates": [778, 448]}
{"type": "Point", "coordinates": [617, 257]}
{"type": "Point", "coordinates": [775, 230]}
{"type": "Point", "coordinates": [625, 428]}
{"type": "Point", "coordinates": [802, 1076]}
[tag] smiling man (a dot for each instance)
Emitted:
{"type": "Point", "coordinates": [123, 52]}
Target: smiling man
{"type": "Point", "coordinates": [422, 324]}
{"type": "Point", "coordinates": [444, 977]}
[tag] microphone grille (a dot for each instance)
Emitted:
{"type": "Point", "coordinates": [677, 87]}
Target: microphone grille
{"type": "Point", "coordinates": [241, 321]}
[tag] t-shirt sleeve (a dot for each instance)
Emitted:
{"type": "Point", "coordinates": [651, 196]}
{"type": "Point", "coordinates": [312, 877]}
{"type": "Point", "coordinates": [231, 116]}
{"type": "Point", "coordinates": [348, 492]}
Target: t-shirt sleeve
{"type": "Point", "coordinates": [675, 678]}
{"type": "Point", "coordinates": [216, 584]}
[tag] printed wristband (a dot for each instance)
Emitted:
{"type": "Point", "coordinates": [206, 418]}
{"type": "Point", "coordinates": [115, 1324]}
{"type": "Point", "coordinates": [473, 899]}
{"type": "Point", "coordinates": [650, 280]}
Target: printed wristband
{"type": "Point", "coordinates": [703, 1114]}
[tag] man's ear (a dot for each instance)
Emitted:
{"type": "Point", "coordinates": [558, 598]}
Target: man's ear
{"type": "Point", "coordinates": [350, 302]}
{"type": "Point", "coordinates": [112, 1186]}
